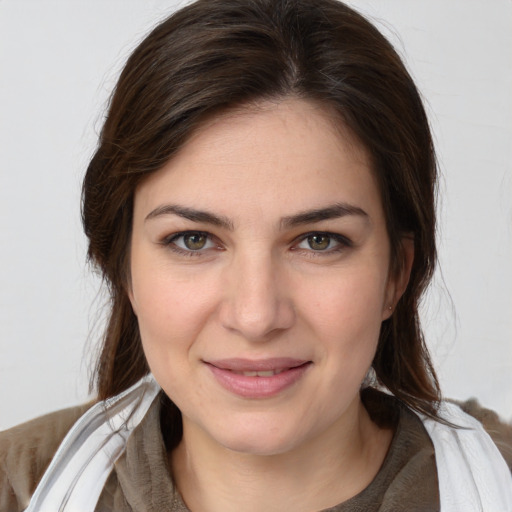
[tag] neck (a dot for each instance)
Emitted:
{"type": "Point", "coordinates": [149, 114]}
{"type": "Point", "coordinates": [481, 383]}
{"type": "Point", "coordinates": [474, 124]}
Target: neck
{"type": "Point", "coordinates": [323, 472]}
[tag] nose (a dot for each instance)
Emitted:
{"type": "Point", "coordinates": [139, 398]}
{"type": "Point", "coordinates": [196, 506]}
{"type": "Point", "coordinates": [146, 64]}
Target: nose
{"type": "Point", "coordinates": [256, 302]}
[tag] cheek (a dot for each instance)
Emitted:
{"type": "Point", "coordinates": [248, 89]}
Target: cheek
{"type": "Point", "coordinates": [346, 311]}
{"type": "Point", "coordinates": [171, 309]}
{"type": "Point", "coordinates": [356, 295]}
{"type": "Point", "coordinates": [171, 316]}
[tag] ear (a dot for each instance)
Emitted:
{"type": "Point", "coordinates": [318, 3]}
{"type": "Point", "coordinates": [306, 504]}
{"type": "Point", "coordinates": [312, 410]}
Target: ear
{"type": "Point", "coordinates": [398, 280]}
{"type": "Point", "coordinates": [128, 288]}
{"type": "Point", "coordinates": [132, 301]}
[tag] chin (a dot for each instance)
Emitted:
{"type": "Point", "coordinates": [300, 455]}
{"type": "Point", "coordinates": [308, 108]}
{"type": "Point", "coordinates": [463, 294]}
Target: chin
{"type": "Point", "coordinates": [254, 437]}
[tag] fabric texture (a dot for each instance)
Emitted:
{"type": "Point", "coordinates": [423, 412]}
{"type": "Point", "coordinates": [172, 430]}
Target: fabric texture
{"type": "Point", "coordinates": [141, 479]}
{"type": "Point", "coordinates": [26, 452]}
{"type": "Point", "coordinates": [472, 474]}
{"type": "Point", "coordinates": [85, 458]}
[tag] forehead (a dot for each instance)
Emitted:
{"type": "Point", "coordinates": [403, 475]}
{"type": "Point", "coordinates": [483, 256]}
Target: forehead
{"type": "Point", "coordinates": [285, 155]}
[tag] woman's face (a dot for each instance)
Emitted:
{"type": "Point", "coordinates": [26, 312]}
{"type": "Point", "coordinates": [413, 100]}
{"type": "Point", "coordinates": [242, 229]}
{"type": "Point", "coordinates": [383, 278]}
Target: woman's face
{"type": "Point", "coordinates": [260, 277]}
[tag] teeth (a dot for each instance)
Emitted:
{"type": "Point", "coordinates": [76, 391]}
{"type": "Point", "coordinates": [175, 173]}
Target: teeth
{"type": "Point", "coordinates": [265, 373]}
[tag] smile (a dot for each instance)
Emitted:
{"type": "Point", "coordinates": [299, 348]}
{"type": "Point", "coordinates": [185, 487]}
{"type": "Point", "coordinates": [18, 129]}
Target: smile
{"type": "Point", "coordinates": [258, 379]}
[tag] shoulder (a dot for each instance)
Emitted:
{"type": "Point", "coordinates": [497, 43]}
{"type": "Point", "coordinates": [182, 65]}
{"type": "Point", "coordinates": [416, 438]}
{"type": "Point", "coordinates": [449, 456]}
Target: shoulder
{"type": "Point", "coordinates": [26, 451]}
{"type": "Point", "coordinates": [499, 430]}
{"type": "Point", "coordinates": [407, 480]}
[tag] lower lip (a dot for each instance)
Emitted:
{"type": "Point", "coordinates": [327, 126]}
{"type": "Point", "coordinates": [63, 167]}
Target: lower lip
{"type": "Point", "coordinates": [258, 387]}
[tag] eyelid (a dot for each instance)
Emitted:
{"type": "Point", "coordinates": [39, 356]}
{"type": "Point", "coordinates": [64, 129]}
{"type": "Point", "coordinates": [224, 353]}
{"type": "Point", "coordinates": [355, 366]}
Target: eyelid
{"type": "Point", "coordinates": [342, 242]}
{"type": "Point", "coordinates": [169, 241]}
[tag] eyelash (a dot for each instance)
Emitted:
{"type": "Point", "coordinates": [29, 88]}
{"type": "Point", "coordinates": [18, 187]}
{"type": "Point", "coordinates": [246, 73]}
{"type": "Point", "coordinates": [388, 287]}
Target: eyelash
{"type": "Point", "coordinates": [342, 243]}
{"type": "Point", "coordinates": [170, 243]}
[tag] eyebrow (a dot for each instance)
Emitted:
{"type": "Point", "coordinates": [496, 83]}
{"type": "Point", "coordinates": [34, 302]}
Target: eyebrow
{"type": "Point", "coordinates": [306, 217]}
{"type": "Point", "coordinates": [191, 214]}
{"type": "Point", "coordinates": [334, 211]}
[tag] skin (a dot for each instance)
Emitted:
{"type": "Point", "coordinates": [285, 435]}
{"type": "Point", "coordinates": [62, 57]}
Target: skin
{"type": "Point", "coordinates": [259, 288]}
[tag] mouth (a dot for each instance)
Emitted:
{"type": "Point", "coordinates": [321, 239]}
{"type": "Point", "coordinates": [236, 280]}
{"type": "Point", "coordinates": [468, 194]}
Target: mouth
{"type": "Point", "coordinates": [258, 378]}
{"type": "Point", "coordinates": [264, 373]}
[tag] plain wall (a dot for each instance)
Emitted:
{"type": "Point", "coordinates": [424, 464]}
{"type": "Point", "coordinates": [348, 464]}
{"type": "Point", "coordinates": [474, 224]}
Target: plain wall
{"type": "Point", "coordinates": [58, 63]}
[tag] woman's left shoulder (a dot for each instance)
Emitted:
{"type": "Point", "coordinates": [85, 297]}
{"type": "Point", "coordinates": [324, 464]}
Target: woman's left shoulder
{"type": "Point", "coordinates": [499, 430]}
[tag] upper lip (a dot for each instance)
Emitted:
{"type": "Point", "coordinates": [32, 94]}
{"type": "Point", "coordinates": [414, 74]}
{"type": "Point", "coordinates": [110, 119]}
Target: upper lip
{"type": "Point", "coordinates": [257, 365]}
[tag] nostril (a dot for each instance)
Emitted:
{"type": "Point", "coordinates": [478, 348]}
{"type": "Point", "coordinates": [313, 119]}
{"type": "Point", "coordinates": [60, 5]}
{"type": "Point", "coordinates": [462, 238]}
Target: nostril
{"type": "Point", "coordinates": [257, 321]}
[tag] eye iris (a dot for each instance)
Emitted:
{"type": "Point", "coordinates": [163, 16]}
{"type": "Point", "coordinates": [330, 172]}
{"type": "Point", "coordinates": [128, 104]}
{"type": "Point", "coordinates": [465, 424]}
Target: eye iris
{"type": "Point", "coordinates": [319, 242]}
{"type": "Point", "coordinates": [194, 241]}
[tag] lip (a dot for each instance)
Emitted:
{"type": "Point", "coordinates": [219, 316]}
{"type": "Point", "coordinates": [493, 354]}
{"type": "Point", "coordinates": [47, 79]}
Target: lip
{"type": "Point", "coordinates": [228, 374]}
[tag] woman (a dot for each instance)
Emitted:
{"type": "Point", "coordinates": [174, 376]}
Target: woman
{"type": "Point", "coordinates": [261, 204]}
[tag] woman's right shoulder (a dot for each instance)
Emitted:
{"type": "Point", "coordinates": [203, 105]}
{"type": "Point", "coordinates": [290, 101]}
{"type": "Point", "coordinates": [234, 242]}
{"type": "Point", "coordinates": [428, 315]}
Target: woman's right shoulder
{"type": "Point", "coordinates": [26, 451]}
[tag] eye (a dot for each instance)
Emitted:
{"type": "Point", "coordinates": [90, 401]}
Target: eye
{"type": "Point", "coordinates": [319, 242]}
{"type": "Point", "coordinates": [190, 241]}
{"type": "Point", "coordinates": [323, 242]}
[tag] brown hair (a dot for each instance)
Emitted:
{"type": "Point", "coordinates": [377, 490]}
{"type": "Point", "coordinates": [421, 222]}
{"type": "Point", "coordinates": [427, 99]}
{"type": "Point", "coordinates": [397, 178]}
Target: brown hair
{"type": "Point", "coordinates": [218, 54]}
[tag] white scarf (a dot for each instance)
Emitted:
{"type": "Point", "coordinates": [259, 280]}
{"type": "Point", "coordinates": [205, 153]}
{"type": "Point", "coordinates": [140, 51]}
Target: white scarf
{"type": "Point", "coordinates": [472, 474]}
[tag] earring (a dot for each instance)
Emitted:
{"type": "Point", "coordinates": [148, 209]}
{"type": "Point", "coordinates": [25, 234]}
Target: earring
{"type": "Point", "coordinates": [370, 379]}
{"type": "Point", "coordinates": [390, 308]}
